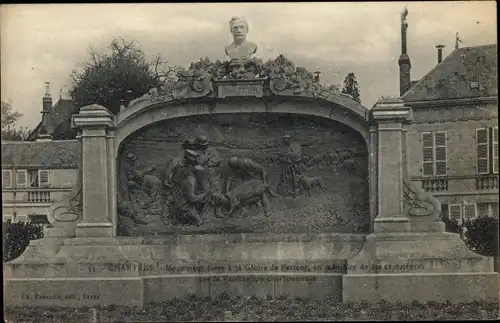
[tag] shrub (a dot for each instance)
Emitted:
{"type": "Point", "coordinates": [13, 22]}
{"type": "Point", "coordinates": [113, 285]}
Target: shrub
{"type": "Point", "coordinates": [481, 235]}
{"type": "Point", "coordinates": [17, 236]}
{"type": "Point", "coordinates": [451, 225]}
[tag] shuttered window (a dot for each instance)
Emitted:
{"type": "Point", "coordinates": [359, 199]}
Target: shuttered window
{"type": "Point", "coordinates": [482, 151]}
{"type": "Point", "coordinates": [428, 153]}
{"type": "Point", "coordinates": [43, 178]}
{"type": "Point", "coordinates": [495, 149]}
{"type": "Point", "coordinates": [21, 178]}
{"type": "Point", "coordinates": [440, 153]}
{"type": "Point", "coordinates": [487, 150]}
{"type": "Point", "coordinates": [469, 210]}
{"type": "Point", "coordinates": [455, 211]}
{"type": "Point", "coordinates": [434, 153]}
{"type": "Point", "coordinates": [6, 178]}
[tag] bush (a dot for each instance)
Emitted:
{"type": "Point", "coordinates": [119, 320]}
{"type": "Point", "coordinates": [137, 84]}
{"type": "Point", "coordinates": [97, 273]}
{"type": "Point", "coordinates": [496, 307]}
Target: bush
{"type": "Point", "coordinates": [451, 225]}
{"type": "Point", "coordinates": [481, 235]}
{"type": "Point", "coordinates": [17, 236]}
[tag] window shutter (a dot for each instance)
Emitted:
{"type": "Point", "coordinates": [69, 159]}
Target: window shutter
{"type": "Point", "coordinates": [21, 178]}
{"type": "Point", "coordinates": [482, 151]}
{"type": "Point", "coordinates": [469, 210]}
{"type": "Point", "coordinates": [440, 157]}
{"type": "Point", "coordinates": [495, 149]}
{"type": "Point", "coordinates": [428, 153]}
{"type": "Point", "coordinates": [455, 211]}
{"type": "Point", "coordinates": [6, 178]}
{"type": "Point", "coordinates": [43, 178]}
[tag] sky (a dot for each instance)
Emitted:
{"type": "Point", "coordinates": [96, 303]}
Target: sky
{"type": "Point", "coordinates": [45, 42]}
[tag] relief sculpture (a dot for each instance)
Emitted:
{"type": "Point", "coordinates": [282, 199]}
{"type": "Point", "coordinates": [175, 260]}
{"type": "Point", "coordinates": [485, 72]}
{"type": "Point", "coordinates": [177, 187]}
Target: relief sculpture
{"type": "Point", "coordinates": [246, 173]}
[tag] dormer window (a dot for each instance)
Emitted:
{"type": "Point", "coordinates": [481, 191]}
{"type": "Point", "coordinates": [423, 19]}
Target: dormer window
{"type": "Point", "coordinates": [474, 85]}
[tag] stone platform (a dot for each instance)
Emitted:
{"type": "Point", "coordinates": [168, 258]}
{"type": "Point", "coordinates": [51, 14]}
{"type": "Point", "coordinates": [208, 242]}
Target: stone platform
{"type": "Point", "coordinates": [79, 272]}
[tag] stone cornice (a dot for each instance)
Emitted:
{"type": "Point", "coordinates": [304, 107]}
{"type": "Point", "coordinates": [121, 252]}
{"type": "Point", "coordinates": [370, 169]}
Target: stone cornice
{"type": "Point", "coordinates": [452, 102]}
{"type": "Point", "coordinates": [93, 116]}
{"type": "Point", "coordinates": [390, 111]}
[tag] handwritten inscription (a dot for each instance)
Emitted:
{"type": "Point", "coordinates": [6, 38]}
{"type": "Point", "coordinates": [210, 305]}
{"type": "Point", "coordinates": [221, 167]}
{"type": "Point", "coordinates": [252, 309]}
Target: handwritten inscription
{"type": "Point", "coordinates": [229, 90]}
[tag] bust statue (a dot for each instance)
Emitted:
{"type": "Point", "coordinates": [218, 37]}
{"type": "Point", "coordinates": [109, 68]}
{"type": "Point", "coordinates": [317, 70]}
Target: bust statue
{"type": "Point", "coordinates": [241, 50]}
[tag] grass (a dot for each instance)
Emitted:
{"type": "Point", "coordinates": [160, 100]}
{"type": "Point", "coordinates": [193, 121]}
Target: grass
{"type": "Point", "coordinates": [193, 308]}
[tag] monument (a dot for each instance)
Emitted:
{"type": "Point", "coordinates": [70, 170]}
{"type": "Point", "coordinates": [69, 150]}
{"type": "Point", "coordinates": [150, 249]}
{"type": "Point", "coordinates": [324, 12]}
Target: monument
{"type": "Point", "coordinates": [251, 179]}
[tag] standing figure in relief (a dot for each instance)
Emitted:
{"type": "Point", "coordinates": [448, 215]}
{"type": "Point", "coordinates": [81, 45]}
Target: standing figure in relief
{"type": "Point", "coordinates": [288, 184]}
{"type": "Point", "coordinates": [209, 159]}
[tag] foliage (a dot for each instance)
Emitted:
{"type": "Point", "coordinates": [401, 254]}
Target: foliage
{"type": "Point", "coordinates": [215, 309]}
{"type": "Point", "coordinates": [452, 225]}
{"type": "Point", "coordinates": [9, 120]}
{"type": "Point", "coordinates": [351, 87]}
{"type": "Point", "coordinates": [16, 237]}
{"type": "Point", "coordinates": [481, 235]}
{"type": "Point", "coordinates": [122, 72]}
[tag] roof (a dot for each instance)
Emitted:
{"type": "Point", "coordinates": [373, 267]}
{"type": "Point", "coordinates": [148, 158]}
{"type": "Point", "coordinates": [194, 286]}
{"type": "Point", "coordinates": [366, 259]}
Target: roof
{"type": "Point", "coordinates": [451, 79]}
{"type": "Point", "coordinates": [50, 154]}
{"type": "Point", "coordinates": [60, 119]}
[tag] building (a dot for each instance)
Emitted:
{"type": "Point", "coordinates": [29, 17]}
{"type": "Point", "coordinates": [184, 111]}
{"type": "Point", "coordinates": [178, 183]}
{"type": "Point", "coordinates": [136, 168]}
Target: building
{"type": "Point", "coordinates": [56, 119]}
{"type": "Point", "coordinates": [453, 138]}
{"type": "Point", "coordinates": [37, 173]}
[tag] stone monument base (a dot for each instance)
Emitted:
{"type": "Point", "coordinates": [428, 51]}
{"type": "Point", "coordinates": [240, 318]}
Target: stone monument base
{"type": "Point", "coordinates": [418, 266]}
{"type": "Point", "coordinates": [76, 272]}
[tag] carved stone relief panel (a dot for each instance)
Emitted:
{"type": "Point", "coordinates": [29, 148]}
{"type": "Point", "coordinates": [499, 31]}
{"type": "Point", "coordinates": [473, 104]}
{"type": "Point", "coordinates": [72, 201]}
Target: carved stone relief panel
{"type": "Point", "coordinates": [243, 173]}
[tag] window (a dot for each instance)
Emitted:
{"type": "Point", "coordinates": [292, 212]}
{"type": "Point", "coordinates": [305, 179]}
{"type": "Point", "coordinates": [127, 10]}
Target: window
{"type": "Point", "coordinates": [6, 178]}
{"type": "Point", "coordinates": [434, 153]}
{"type": "Point", "coordinates": [474, 85]}
{"type": "Point", "coordinates": [487, 150]}
{"type": "Point", "coordinates": [33, 177]}
{"type": "Point", "coordinates": [43, 178]}
{"type": "Point", "coordinates": [38, 218]}
{"type": "Point", "coordinates": [455, 212]}
{"type": "Point", "coordinates": [469, 210]}
{"type": "Point", "coordinates": [21, 218]}
{"type": "Point", "coordinates": [487, 209]}
{"type": "Point", "coordinates": [7, 218]}
{"type": "Point", "coordinates": [21, 178]}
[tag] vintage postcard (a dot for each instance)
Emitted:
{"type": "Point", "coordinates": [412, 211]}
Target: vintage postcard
{"type": "Point", "coordinates": [250, 161]}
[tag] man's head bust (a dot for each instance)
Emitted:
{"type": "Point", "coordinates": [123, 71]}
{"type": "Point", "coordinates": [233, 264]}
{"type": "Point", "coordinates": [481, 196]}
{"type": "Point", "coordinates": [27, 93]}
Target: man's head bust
{"type": "Point", "coordinates": [239, 28]}
{"type": "Point", "coordinates": [240, 49]}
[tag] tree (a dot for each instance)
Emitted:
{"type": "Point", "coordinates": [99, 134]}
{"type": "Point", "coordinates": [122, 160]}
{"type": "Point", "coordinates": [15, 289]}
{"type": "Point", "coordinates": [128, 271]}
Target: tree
{"type": "Point", "coordinates": [351, 87]}
{"type": "Point", "coordinates": [9, 119]}
{"type": "Point", "coordinates": [122, 72]}
{"type": "Point", "coordinates": [481, 235]}
{"type": "Point", "coordinates": [17, 236]}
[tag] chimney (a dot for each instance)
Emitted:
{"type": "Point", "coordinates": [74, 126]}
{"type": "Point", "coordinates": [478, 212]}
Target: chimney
{"type": "Point", "coordinates": [45, 131]}
{"type": "Point", "coordinates": [440, 52]}
{"type": "Point", "coordinates": [122, 105]}
{"type": "Point", "coordinates": [404, 59]}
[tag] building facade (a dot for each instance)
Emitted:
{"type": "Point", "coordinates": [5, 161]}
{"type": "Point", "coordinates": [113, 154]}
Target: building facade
{"type": "Point", "coordinates": [453, 137]}
{"type": "Point", "coordinates": [41, 171]}
{"type": "Point", "coordinates": [35, 175]}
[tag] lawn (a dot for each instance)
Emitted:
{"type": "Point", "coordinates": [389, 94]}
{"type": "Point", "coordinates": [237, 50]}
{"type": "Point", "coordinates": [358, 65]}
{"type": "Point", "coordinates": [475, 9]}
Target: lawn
{"type": "Point", "coordinates": [257, 309]}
